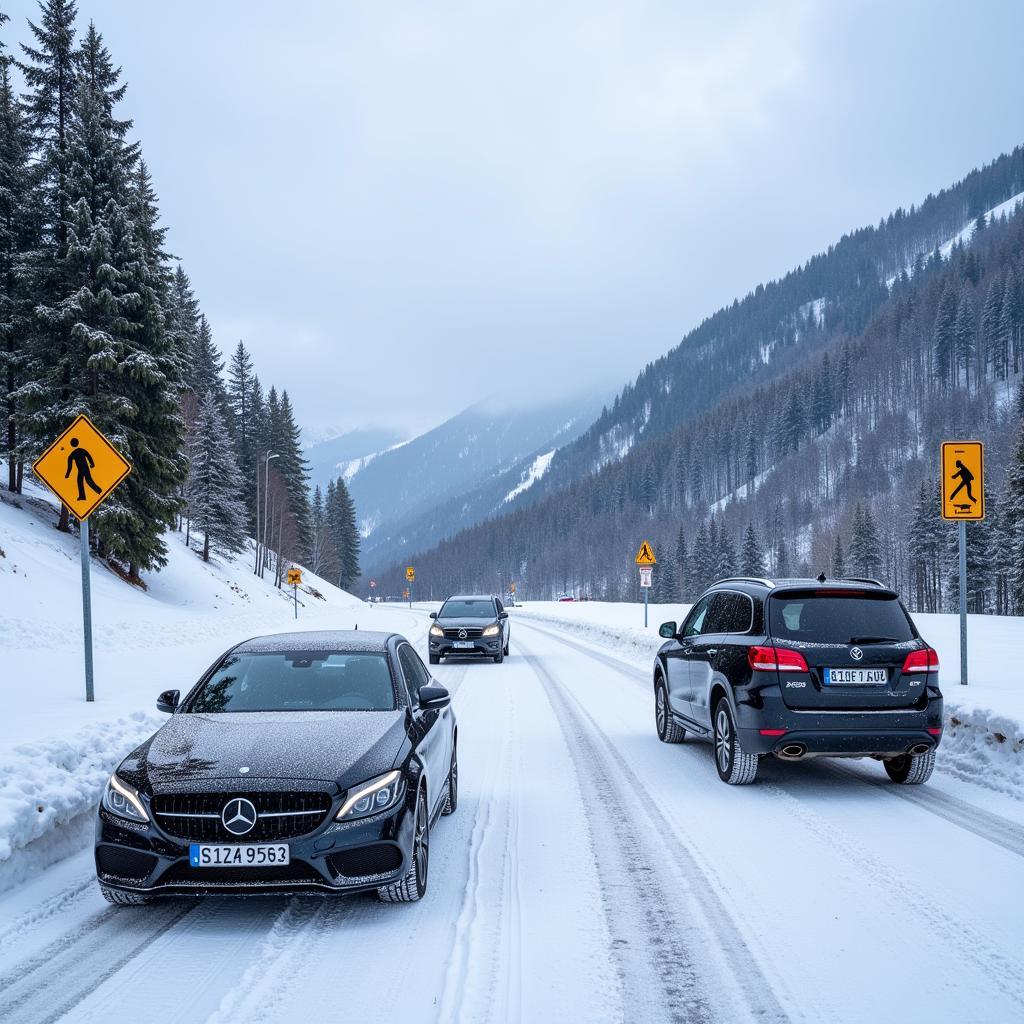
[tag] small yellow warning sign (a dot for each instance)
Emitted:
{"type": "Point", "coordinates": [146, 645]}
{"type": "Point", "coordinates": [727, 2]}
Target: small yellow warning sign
{"type": "Point", "coordinates": [645, 556]}
{"type": "Point", "coordinates": [410, 574]}
{"type": "Point", "coordinates": [963, 480]}
{"type": "Point", "coordinates": [82, 468]}
{"type": "Point", "coordinates": [294, 577]}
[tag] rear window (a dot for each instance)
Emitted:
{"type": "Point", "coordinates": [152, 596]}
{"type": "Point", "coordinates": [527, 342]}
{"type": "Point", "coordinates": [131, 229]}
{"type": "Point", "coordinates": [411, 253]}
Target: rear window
{"type": "Point", "coordinates": [830, 618]}
{"type": "Point", "coordinates": [297, 681]}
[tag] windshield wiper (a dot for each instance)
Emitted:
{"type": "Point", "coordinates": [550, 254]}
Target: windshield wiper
{"type": "Point", "coordinates": [872, 640]}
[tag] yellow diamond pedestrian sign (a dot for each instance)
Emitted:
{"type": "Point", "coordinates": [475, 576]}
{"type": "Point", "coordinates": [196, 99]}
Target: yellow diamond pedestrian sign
{"type": "Point", "coordinates": [963, 480]}
{"type": "Point", "coordinates": [645, 556]}
{"type": "Point", "coordinates": [82, 468]}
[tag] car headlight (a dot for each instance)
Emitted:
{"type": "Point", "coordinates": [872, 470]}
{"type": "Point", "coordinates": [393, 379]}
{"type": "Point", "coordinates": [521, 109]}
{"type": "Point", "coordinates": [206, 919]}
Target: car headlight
{"type": "Point", "coordinates": [492, 630]}
{"type": "Point", "coordinates": [379, 794]}
{"type": "Point", "coordinates": [123, 800]}
{"type": "Point", "coordinates": [436, 631]}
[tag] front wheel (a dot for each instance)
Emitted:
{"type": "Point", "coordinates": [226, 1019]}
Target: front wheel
{"type": "Point", "coordinates": [734, 764]}
{"type": "Point", "coordinates": [668, 730]}
{"type": "Point", "coordinates": [123, 899]}
{"type": "Point", "coordinates": [435, 659]}
{"type": "Point", "coordinates": [499, 657]}
{"type": "Point", "coordinates": [413, 884]}
{"type": "Point", "coordinates": [452, 799]}
{"type": "Point", "coordinates": [910, 769]}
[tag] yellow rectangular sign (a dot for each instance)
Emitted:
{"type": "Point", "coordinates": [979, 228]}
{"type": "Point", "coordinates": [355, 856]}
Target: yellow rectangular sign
{"type": "Point", "coordinates": [82, 468]}
{"type": "Point", "coordinates": [294, 577]}
{"type": "Point", "coordinates": [963, 480]}
{"type": "Point", "coordinates": [410, 574]}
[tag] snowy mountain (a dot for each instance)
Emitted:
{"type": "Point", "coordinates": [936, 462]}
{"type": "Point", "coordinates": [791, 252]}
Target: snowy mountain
{"type": "Point", "coordinates": [471, 466]}
{"type": "Point", "coordinates": [344, 454]}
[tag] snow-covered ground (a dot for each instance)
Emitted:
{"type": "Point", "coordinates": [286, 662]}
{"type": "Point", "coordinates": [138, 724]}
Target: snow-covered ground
{"type": "Point", "coordinates": [590, 873]}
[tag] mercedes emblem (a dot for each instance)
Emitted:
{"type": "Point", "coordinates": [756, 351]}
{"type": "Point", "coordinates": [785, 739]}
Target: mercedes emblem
{"type": "Point", "coordinates": [239, 816]}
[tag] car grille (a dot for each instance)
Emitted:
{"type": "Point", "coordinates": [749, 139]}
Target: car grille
{"type": "Point", "coordinates": [196, 816]}
{"type": "Point", "coordinates": [473, 633]}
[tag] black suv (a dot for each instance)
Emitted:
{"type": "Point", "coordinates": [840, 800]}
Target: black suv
{"type": "Point", "coordinates": [801, 668]}
{"type": "Point", "coordinates": [469, 624]}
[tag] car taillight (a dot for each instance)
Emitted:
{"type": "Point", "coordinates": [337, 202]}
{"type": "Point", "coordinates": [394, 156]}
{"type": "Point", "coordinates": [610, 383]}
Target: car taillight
{"type": "Point", "coordinates": [772, 732]}
{"type": "Point", "coordinates": [921, 661]}
{"type": "Point", "coordinates": [768, 659]}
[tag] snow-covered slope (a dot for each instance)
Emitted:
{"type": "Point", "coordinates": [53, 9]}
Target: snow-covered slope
{"type": "Point", "coordinates": [55, 749]}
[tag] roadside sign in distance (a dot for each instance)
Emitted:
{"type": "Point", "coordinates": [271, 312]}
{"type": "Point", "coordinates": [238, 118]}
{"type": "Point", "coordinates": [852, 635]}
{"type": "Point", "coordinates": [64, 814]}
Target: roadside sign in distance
{"type": "Point", "coordinates": [645, 556]}
{"type": "Point", "coordinates": [410, 574]}
{"type": "Point", "coordinates": [294, 577]}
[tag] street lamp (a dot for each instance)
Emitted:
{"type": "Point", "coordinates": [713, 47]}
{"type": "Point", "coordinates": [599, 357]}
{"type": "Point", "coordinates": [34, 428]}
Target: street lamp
{"type": "Point", "coordinates": [266, 496]}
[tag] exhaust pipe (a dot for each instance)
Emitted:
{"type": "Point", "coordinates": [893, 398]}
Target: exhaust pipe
{"type": "Point", "coordinates": [793, 751]}
{"type": "Point", "coordinates": [920, 748]}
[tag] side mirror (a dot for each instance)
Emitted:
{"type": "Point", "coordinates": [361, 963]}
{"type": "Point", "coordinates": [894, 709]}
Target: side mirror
{"type": "Point", "coordinates": [168, 701]}
{"type": "Point", "coordinates": [668, 630]}
{"type": "Point", "coordinates": [503, 615]}
{"type": "Point", "coordinates": [433, 697]}
{"type": "Point", "coordinates": [433, 615]}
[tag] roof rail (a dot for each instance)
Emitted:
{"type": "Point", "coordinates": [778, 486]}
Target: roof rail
{"type": "Point", "coordinates": [747, 579]}
{"type": "Point", "coordinates": [861, 579]}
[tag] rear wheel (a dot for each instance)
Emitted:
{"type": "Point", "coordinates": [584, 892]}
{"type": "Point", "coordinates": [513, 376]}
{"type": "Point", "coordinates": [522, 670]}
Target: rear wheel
{"type": "Point", "coordinates": [413, 884]}
{"type": "Point", "coordinates": [734, 764]}
{"type": "Point", "coordinates": [123, 899]}
{"type": "Point", "coordinates": [668, 730]}
{"type": "Point", "coordinates": [910, 769]}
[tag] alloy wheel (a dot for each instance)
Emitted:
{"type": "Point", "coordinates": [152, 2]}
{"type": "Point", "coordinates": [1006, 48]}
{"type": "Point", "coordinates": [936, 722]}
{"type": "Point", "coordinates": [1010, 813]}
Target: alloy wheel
{"type": "Point", "coordinates": [421, 845]}
{"type": "Point", "coordinates": [660, 712]}
{"type": "Point", "coordinates": [723, 740]}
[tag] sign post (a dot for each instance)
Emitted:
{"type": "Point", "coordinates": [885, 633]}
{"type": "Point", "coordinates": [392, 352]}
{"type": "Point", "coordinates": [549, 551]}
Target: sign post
{"type": "Point", "coordinates": [963, 500]}
{"type": "Point", "coordinates": [410, 577]}
{"type": "Point", "coordinates": [295, 578]}
{"type": "Point", "coordinates": [646, 561]}
{"type": "Point", "coordinates": [82, 468]}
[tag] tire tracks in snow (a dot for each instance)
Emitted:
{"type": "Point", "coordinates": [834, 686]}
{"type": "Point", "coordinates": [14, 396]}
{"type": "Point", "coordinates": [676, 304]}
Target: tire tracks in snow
{"type": "Point", "coordinates": [680, 955]}
{"type": "Point", "coordinates": [470, 990]}
{"type": "Point", "coordinates": [83, 959]}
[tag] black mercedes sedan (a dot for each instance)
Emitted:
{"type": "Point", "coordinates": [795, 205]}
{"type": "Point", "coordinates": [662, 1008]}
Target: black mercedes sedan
{"type": "Point", "coordinates": [301, 762]}
{"type": "Point", "coordinates": [470, 624]}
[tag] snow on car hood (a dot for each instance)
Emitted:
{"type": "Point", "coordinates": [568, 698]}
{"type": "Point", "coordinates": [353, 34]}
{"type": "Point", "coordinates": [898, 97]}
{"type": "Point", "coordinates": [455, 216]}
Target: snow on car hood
{"type": "Point", "coordinates": [342, 747]}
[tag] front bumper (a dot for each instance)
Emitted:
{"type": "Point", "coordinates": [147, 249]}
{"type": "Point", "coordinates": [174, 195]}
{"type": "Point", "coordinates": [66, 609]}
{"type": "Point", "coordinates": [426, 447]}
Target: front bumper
{"type": "Point", "coordinates": [881, 733]}
{"type": "Point", "coordinates": [444, 646]}
{"type": "Point", "coordinates": [337, 857]}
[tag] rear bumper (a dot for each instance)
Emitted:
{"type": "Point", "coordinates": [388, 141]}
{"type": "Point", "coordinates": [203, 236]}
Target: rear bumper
{"type": "Point", "coordinates": [839, 733]}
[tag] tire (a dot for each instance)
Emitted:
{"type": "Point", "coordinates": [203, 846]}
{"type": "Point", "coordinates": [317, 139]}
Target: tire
{"type": "Point", "coordinates": [413, 884]}
{"type": "Point", "coordinates": [435, 659]}
{"type": "Point", "coordinates": [668, 730]}
{"type": "Point", "coordinates": [735, 766]}
{"type": "Point", "coordinates": [499, 657]}
{"type": "Point", "coordinates": [910, 769]}
{"type": "Point", "coordinates": [123, 899]}
{"type": "Point", "coordinates": [451, 801]}
{"type": "Point", "coordinates": [505, 652]}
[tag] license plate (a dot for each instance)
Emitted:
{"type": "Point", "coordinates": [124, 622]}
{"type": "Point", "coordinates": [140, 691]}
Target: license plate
{"type": "Point", "coordinates": [463, 645]}
{"type": "Point", "coordinates": [856, 676]}
{"type": "Point", "coordinates": [248, 855]}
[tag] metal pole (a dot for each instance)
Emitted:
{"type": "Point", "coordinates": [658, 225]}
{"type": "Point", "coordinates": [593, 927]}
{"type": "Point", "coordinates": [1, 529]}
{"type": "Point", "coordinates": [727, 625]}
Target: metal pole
{"type": "Point", "coordinates": [646, 590]}
{"type": "Point", "coordinates": [256, 569]}
{"type": "Point", "coordinates": [266, 495]}
{"type": "Point", "coordinates": [963, 602]}
{"type": "Point", "coordinates": [295, 593]}
{"type": "Point", "coordinates": [83, 533]}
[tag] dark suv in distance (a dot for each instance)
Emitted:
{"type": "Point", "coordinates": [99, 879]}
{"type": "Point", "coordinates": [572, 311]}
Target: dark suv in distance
{"type": "Point", "coordinates": [469, 624]}
{"type": "Point", "coordinates": [797, 669]}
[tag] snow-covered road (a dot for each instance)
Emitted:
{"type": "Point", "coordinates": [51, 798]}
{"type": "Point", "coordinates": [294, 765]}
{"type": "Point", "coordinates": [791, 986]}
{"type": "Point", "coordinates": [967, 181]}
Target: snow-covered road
{"type": "Point", "coordinates": [589, 874]}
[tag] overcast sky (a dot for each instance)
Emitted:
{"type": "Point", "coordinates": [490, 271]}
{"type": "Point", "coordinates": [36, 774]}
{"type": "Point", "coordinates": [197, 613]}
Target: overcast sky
{"type": "Point", "coordinates": [403, 207]}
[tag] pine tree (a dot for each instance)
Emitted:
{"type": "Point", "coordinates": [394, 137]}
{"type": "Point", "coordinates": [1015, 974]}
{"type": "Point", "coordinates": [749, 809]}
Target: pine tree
{"type": "Point", "coordinates": [838, 558]}
{"type": "Point", "coordinates": [751, 555]}
{"type": "Point", "coordinates": [215, 484]}
{"type": "Point", "coordinates": [683, 564]}
{"type": "Point", "coordinates": [965, 332]}
{"type": "Point", "coordinates": [183, 320]}
{"type": "Point", "coordinates": [341, 514]}
{"type": "Point", "coordinates": [996, 353]}
{"type": "Point", "coordinates": [944, 336]}
{"type": "Point", "coordinates": [666, 579]}
{"type": "Point", "coordinates": [206, 365]}
{"type": "Point", "coordinates": [239, 396]}
{"type": "Point", "coordinates": [865, 549]}
{"type": "Point", "coordinates": [20, 236]}
{"type": "Point", "coordinates": [1013, 510]}
{"type": "Point", "coordinates": [725, 561]}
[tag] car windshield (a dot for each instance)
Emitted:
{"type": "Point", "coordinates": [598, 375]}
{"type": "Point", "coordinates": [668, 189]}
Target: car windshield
{"type": "Point", "coordinates": [467, 608]}
{"type": "Point", "coordinates": [833, 618]}
{"type": "Point", "coordinates": [297, 681]}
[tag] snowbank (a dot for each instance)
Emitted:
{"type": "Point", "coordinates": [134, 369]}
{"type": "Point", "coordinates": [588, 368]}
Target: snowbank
{"type": "Point", "coordinates": [983, 741]}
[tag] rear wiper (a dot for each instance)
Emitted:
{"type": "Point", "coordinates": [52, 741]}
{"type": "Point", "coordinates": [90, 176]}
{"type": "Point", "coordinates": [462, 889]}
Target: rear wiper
{"type": "Point", "coordinates": [872, 640]}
